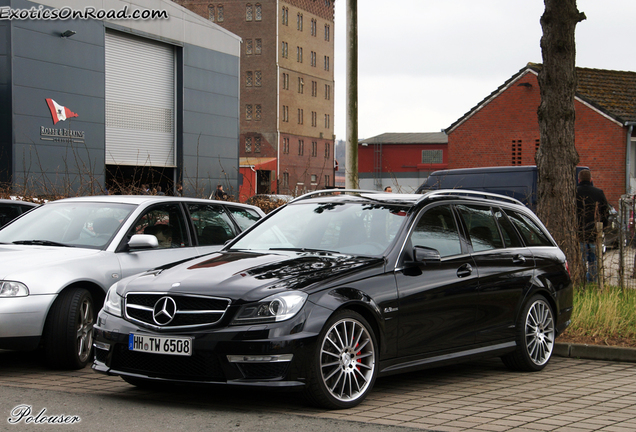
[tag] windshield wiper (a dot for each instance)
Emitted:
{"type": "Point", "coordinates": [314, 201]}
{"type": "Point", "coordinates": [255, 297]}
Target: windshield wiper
{"type": "Point", "coordinates": [302, 249]}
{"type": "Point", "coordinates": [41, 243]}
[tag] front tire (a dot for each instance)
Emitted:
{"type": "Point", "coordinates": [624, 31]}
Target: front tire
{"type": "Point", "coordinates": [68, 342]}
{"type": "Point", "coordinates": [343, 366]}
{"type": "Point", "coordinates": [535, 337]}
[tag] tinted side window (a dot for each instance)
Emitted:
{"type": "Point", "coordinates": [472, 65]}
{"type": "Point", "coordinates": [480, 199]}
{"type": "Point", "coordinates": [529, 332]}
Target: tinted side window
{"type": "Point", "coordinates": [481, 227]}
{"type": "Point", "coordinates": [437, 229]}
{"type": "Point", "coordinates": [511, 239]}
{"type": "Point", "coordinates": [529, 230]}
{"type": "Point", "coordinates": [212, 224]}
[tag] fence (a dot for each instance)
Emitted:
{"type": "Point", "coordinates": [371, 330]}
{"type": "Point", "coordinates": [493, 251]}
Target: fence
{"type": "Point", "coordinates": [619, 257]}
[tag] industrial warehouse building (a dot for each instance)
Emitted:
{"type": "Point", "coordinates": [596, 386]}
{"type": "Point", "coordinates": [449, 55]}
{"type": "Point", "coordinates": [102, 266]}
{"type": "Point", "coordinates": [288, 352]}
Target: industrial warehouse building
{"type": "Point", "coordinates": [90, 105]}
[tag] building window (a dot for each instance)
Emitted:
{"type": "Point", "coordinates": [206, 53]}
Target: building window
{"type": "Point", "coordinates": [327, 121]}
{"type": "Point", "coordinates": [249, 46]}
{"type": "Point", "coordinates": [248, 112]}
{"type": "Point", "coordinates": [249, 79]}
{"type": "Point", "coordinates": [258, 47]}
{"type": "Point", "coordinates": [211, 13]}
{"type": "Point", "coordinates": [257, 114]}
{"type": "Point", "coordinates": [301, 85]}
{"type": "Point", "coordinates": [327, 91]}
{"type": "Point", "coordinates": [258, 12]}
{"type": "Point", "coordinates": [327, 150]}
{"type": "Point", "coordinates": [314, 88]}
{"type": "Point", "coordinates": [285, 81]}
{"type": "Point", "coordinates": [327, 180]}
{"type": "Point", "coordinates": [537, 142]}
{"type": "Point", "coordinates": [516, 152]}
{"type": "Point", "coordinates": [314, 179]}
{"type": "Point", "coordinates": [432, 156]}
{"type": "Point", "coordinates": [299, 54]}
{"type": "Point", "coordinates": [299, 21]}
{"type": "Point", "coordinates": [314, 118]}
{"type": "Point", "coordinates": [313, 58]}
{"type": "Point", "coordinates": [314, 27]}
{"type": "Point", "coordinates": [314, 148]}
{"type": "Point", "coordinates": [219, 13]}
{"type": "Point", "coordinates": [327, 32]}
{"type": "Point", "coordinates": [248, 144]}
{"type": "Point", "coordinates": [300, 116]}
{"type": "Point", "coordinates": [285, 179]}
{"type": "Point", "coordinates": [301, 147]}
{"type": "Point", "coordinates": [286, 145]}
{"type": "Point", "coordinates": [285, 16]}
{"type": "Point", "coordinates": [257, 143]}
{"type": "Point", "coordinates": [326, 63]}
{"type": "Point", "coordinates": [249, 12]}
{"type": "Point", "coordinates": [284, 50]}
{"type": "Point", "coordinates": [257, 78]}
{"type": "Point", "coordinates": [285, 113]}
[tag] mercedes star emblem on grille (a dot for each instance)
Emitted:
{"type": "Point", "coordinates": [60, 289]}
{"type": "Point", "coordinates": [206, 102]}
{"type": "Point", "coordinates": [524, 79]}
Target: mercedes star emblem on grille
{"type": "Point", "coordinates": [164, 311]}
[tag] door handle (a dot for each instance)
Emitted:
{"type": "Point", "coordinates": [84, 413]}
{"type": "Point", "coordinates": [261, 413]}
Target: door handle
{"type": "Point", "coordinates": [519, 259]}
{"type": "Point", "coordinates": [464, 270]}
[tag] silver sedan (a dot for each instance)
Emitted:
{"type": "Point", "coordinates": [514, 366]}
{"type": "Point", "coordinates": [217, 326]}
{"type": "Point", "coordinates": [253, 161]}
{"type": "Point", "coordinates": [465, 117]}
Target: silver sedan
{"type": "Point", "coordinates": [58, 261]}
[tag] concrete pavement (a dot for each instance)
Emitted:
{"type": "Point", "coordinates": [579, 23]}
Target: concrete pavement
{"type": "Point", "coordinates": [570, 394]}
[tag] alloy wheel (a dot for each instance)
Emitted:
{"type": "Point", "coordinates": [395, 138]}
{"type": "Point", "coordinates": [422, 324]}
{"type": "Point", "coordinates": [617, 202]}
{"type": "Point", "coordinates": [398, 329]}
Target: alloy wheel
{"type": "Point", "coordinates": [539, 332]}
{"type": "Point", "coordinates": [85, 323]}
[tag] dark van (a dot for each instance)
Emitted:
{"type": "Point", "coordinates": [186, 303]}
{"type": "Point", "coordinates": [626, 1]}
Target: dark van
{"type": "Point", "coordinates": [518, 182]}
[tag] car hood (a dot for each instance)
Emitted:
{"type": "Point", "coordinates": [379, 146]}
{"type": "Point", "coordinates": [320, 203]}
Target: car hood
{"type": "Point", "coordinates": [247, 276]}
{"type": "Point", "coordinates": [16, 259]}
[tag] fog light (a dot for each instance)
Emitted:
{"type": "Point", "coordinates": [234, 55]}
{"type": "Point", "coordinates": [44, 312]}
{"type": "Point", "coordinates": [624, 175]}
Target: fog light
{"type": "Point", "coordinates": [260, 358]}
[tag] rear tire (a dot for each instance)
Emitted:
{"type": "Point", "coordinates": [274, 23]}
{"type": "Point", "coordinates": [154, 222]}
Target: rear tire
{"type": "Point", "coordinates": [535, 337]}
{"type": "Point", "coordinates": [343, 366]}
{"type": "Point", "coordinates": [68, 341]}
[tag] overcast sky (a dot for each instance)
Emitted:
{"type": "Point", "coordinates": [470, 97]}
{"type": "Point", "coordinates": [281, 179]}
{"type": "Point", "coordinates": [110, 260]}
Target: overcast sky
{"type": "Point", "coordinates": [425, 63]}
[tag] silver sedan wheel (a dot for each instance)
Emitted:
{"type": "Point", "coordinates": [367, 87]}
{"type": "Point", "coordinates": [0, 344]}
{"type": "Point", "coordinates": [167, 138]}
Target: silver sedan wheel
{"type": "Point", "coordinates": [347, 360]}
{"type": "Point", "coordinates": [539, 332]}
{"type": "Point", "coordinates": [85, 321]}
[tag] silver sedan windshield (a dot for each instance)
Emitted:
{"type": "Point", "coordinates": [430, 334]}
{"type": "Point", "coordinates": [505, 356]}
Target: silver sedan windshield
{"type": "Point", "coordinates": [86, 224]}
{"type": "Point", "coordinates": [347, 228]}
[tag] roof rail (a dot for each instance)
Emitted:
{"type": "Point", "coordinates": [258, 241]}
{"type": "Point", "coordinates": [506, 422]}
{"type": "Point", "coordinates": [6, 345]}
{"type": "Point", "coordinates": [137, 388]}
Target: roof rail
{"type": "Point", "coordinates": [471, 193]}
{"type": "Point", "coordinates": [332, 192]}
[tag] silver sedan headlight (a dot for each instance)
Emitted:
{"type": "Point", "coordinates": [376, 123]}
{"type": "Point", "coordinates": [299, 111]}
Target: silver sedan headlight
{"type": "Point", "coordinates": [13, 289]}
{"type": "Point", "coordinates": [278, 307]}
{"type": "Point", "coordinates": [112, 304]}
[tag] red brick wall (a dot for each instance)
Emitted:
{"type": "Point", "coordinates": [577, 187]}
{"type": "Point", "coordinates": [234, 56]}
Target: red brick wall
{"type": "Point", "coordinates": [400, 158]}
{"type": "Point", "coordinates": [486, 138]}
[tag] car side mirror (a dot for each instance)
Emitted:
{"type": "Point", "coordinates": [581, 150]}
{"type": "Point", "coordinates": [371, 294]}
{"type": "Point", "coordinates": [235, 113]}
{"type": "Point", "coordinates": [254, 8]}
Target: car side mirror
{"type": "Point", "coordinates": [143, 241]}
{"type": "Point", "coordinates": [425, 255]}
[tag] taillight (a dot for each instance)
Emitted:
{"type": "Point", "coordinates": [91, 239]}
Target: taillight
{"type": "Point", "coordinates": [567, 267]}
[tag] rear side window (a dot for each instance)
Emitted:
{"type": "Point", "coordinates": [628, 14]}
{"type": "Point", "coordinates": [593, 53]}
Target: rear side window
{"type": "Point", "coordinates": [211, 223]}
{"type": "Point", "coordinates": [481, 226]}
{"type": "Point", "coordinates": [530, 232]}
{"type": "Point", "coordinates": [511, 239]}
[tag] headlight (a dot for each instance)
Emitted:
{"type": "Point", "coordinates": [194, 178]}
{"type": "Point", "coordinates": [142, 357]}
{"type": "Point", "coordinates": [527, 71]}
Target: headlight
{"type": "Point", "coordinates": [279, 307]}
{"type": "Point", "coordinates": [112, 304]}
{"type": "Point", "coordinates": [13, 289]}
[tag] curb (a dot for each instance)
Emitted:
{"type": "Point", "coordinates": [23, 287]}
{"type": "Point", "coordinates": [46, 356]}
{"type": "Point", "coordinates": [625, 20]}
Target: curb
{"type": "Point", "coordinates": [595, 352]}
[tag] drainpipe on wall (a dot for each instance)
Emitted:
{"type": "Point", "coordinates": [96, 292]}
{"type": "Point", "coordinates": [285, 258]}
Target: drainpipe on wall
{"type": "Point", "coordinates": [628, 154]}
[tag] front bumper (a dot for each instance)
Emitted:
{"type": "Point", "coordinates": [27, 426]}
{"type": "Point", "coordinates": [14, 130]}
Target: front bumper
{"type": "Point", "coordinates": [22, 319]}
{"type": "Point", "coordinates": [269, 355]}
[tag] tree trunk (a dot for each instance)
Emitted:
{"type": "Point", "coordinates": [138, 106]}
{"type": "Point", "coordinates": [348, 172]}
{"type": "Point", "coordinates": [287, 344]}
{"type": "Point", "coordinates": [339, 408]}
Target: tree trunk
{"type": "Point", "coordinates": [557, 156]}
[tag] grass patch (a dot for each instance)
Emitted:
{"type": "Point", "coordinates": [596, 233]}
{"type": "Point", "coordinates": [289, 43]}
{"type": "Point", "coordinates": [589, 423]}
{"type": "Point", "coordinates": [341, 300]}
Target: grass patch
{"type": "Point", "coordinates": [607, 314]}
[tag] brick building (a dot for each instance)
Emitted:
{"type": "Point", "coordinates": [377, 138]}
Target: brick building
{"type": "Point", "coordinates": [286, 91]}
{"type": "Point", "coordinates": [400, 160]}
{"type": "Point", "coordinates": [503, 129]}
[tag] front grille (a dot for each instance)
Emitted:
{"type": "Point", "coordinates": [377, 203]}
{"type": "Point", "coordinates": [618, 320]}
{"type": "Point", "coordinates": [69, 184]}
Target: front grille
{"type": "Point", "coordinates": [191, 311]}
{"type": "Point", "coordinates": [101, 355]}
{"type": "Point", "coordinates": [263, 370]}
{"type": "Point", "coordinates": [198, 367]}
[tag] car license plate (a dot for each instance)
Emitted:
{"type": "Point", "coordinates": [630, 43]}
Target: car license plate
{"type": "Point", "coordinates": [174, 345]}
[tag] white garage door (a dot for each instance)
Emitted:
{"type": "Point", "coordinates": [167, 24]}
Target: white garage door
{"type": "Point", "coordinates": [139, 101]}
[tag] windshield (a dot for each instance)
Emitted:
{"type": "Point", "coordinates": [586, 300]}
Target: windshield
{"type": "Point", "coordinates": [80, 224]}
{"type": "Point", "coordinates": [347, 228]}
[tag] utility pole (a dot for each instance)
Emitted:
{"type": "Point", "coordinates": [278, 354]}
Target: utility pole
{"type": "Point", "coordinates": [351, 159]}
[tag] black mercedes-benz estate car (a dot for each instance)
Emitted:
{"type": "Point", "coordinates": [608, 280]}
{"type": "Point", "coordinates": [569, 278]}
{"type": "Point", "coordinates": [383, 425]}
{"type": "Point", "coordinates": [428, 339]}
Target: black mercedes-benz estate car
{"type": "Point", "coordinates": [337, 288]}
